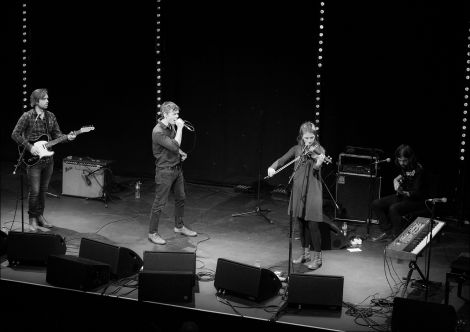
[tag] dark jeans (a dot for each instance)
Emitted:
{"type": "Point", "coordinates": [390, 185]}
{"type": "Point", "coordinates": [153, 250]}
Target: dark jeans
{"type": "Point", "coordinates": [390, 209]}
{"type": "Point", "coordinates": [38, 177]}
{"type": "Point", "coordinates": [310, 236]}
{"type": "Point", "coordinates": [167, 180]}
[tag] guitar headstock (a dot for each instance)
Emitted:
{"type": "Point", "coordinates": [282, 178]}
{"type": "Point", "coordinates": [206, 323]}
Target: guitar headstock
{"type": "Point", "coordinates": [86, 129]}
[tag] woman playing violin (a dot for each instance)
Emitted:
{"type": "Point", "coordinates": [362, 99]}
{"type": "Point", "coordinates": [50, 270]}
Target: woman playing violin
{"type": "Point", "coordinates": [306, 196]}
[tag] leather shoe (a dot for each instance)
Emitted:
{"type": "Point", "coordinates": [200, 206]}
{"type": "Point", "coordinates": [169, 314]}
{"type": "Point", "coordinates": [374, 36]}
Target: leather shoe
{"type": "Point", "coordinates": [33, 225]}
{"type": "Point", "coordinates": [157, 239]}
{"type": "Point", "coordinates": [382, 236]}
{"type": "Point", "coordinates": [185, 231]}
{"type": "Point", "coordinates": [43, 222]}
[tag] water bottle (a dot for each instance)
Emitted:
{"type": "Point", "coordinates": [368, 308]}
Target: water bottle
{"type": "Point", "coordinates": [344, 228]}
{"type": "Point", "coordinates": [137, 189]}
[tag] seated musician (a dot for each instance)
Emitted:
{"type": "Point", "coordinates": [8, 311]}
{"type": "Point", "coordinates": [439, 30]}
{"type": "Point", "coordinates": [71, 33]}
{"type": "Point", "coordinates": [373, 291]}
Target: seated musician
{"type": "Point", "coordinates": [410, 193]}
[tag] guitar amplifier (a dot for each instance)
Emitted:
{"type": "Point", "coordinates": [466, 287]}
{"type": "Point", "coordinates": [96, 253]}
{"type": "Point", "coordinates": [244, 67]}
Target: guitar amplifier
{"type": "Point", "coordinates": [83, 177]}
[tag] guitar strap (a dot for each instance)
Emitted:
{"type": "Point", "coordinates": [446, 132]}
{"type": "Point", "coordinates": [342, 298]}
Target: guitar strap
{"type": "Point", "coordinates": [46, 119]}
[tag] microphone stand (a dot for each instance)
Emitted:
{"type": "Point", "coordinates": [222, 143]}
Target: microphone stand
{"type": "Point", "coordinates": [258, 210]}
{"type": "Point", "coordinates": [20, 159]}
{"type": "Point", "coordinates": [291, 221]}
{"type": "Point", "coordinates": [431, 226]}
{"type": "Point", "coordinates": [369, 202]}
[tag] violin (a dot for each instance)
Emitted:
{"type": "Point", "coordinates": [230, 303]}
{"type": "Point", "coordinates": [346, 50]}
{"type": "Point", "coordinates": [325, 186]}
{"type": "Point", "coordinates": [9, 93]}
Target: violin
{"type": "Point", "coordinates": [314, 151]}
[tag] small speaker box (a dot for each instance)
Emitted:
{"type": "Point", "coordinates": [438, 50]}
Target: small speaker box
{"type": "Point", "coordinates": [76, 272]}
{"type": "Point", "coordinates": [414, 315]}
{"type": "Point", "coordinates": [166, 286]}
{"type": "Point", "coordinates": [169, 261]}
{"type": "Point", "coordinates": [123, 261]}
{"type": "Point", "coordinates": [33, 248]}
{"type": "Point", "coordinates": [248, 281]}
{"type": "Point", "coordinates": [316, 290]}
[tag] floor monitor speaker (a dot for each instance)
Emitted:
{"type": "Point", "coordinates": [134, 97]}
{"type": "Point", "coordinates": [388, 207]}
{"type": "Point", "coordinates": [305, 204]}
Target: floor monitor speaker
{"type": "Point", "coordinates": [123, 261]}
{"type": "Point", "coordinates": [170, 261]}
{"type": "Point", "coordinates": [166, 286]}
{"type": "Point", "coordinates": [316, 290]}
{"type": "Point", "coordinates": [414, 315]}
{"type": "Point", "coordinates": [33, 248]}
{"type": "Point", "coordinates": [76, 272]}
{"type": "Point", "coordinates": [248, 281]}
{"type": "Point", "coordinates": [331, 237]}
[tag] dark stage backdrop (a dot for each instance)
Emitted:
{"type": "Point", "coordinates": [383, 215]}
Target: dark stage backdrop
{"type": "Point", "coordinates": [243, 73]}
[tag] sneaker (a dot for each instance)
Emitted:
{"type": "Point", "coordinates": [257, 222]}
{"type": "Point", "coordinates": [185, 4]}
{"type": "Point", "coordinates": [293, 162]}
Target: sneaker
{"type": "Point", "coordinates": [185, 231]}
{"type": "Point", "coordinates": [157, 239]}
{"type": "Point", "coordinates": [43, 222]}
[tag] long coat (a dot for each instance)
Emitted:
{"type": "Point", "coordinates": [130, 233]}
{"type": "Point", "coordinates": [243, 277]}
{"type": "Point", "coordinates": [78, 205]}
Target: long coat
{"type": "Point", "coordinates": [306, 195]}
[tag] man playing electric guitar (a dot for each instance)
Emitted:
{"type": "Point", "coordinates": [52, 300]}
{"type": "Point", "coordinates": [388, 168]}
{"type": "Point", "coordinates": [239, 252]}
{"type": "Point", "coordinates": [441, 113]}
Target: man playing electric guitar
{"type": "Point", "coordinates": [411, 189]}
{"type": "Point", "coordinates": [33, 125]}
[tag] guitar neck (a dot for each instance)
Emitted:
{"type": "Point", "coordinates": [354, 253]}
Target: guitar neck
{"type": "Point", "coordinates": [60, 139]}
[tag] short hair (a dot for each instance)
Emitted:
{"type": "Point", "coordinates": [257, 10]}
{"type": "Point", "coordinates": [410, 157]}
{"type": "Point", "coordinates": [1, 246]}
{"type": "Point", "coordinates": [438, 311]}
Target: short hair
{"type": "Point", "coordinates": [36, 95]}
{"type": "Point", "coordinates": [167, 107]}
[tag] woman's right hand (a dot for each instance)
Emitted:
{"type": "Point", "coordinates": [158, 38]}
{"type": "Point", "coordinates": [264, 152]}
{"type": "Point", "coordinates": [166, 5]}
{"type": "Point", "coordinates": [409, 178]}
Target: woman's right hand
{"type": "Point", "coordinates": [271, 171]}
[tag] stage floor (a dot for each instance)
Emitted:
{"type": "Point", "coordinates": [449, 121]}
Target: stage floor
{"type": "Point", "coordinates": [370, 280]}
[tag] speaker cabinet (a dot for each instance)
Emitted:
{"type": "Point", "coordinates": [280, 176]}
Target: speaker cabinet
{"type": "Point", "coordinates": [75, 272]}
{"type": "Point", "coordinates": [166, 286]}
{"type": "Point", "coordinates": [33, 248]}
{"type": "Point", "coordinates": [248, 281]}
{"type": "Point", "coordinates": [167, 276]}
{"type": "Point", "coordinates": [354, 193]}
{"type": "Point", "coordinates": [82, 178]}
{"type": "Point", "coordinates": [414, 315]}
{"type": "Point", "coordinates": [123, 261]}
{"type": "Point", "coordinates": [167, 261]}
{"type": "Point", "coordinates": [316, 290]}
{"type": "Point", "coordinates": [331, 237]}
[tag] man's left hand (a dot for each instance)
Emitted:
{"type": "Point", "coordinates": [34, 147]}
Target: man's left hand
{"type": "Point", "coordinates": [183, 155]}
{"type": "Point", "coordinates": [71, 136]}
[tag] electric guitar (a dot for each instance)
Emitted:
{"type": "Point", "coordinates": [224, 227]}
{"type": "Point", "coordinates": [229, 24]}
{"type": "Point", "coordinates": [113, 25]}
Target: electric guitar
{"type": "Point", "coordinates": [42, 144]}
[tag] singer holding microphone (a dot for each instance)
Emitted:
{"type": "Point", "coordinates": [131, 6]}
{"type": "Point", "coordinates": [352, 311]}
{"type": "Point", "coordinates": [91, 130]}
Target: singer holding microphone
{"type": "Point", "coordinates": [166, 142]}
{"type": "Point", "coordinates": [306, 200]}
{"type": "Point", "coordinates": [410, 192]}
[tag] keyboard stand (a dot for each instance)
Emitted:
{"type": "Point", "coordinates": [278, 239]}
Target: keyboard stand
{"type": "Point", "coordinates": [413, 266]}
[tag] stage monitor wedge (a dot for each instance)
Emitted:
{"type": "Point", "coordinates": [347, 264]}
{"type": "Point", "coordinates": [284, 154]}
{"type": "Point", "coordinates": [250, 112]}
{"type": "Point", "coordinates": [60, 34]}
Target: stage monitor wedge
{"type": "Point", "coordinates": [33, 248]}
{"type": "Point", "coordinates": [316, 290]}
{"type": "Point", "coordinates": [76, 272]}
{"type": "Point", "coordinates": [244, 280]}
{"type": "Point", "coordinates": [123, 261]}
{"type": "Point", "coordinates": [170, 261]}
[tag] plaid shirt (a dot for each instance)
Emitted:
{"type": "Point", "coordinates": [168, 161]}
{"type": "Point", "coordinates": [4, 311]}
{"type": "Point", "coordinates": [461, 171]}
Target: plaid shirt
{"type": "Point", "coordinates": [29, 129]}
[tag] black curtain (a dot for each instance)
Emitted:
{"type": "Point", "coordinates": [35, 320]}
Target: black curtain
{"type": "Point", "coordinates": [243, 73]}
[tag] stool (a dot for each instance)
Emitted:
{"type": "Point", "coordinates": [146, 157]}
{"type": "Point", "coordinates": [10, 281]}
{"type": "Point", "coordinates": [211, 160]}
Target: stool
{"type": "Point", "coordinates": [459, 273]}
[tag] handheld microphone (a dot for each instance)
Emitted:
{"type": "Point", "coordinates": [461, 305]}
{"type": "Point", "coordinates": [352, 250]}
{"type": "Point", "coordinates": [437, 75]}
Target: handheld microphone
{"type": "Point", "coordinates": [382, 161]}
{"type": "Point", "coordinates": [437, 200]}
{"type": "Point", "coordinates": [190, 128]}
